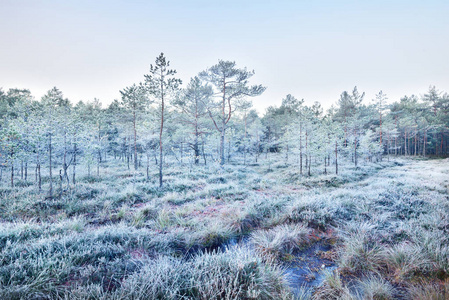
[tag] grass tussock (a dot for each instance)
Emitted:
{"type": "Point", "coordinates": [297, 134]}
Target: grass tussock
{"type": "Point", "coordinates": [281, 240]}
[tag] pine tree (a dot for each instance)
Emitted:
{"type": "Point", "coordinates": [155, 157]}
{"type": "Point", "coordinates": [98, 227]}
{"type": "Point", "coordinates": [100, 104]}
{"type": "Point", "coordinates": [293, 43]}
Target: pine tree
{"type": "Point", "coordinates": [161, 84]}
{"type": "Point", "coordinates": [135, 99]}
{"type": "Point", "coordinates": [231, 86]}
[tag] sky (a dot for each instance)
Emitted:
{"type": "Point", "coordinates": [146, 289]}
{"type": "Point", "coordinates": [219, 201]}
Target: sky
{"type": "Point", "coordinates": [313, 50]}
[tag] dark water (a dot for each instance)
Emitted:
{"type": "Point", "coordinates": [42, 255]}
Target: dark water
{"type": "Point", "coordinates": [307, 268]}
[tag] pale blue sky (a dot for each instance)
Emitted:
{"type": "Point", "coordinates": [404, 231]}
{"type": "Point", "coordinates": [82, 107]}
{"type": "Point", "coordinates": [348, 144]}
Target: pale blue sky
{"type": "Point", "coordinates": [311, 49]}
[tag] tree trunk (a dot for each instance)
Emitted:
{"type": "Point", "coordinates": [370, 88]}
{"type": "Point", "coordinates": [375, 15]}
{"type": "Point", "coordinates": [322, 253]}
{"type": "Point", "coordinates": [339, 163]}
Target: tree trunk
{"type": "Point", "coordinates": [309, 164]}
{"type": "Point", "coordinates": [196, 151]}
{"type": "Point", "coordinates": [223, 124]}
{"type": "Point", "coordinates": [388, 147]}
{"type": "Point", "coordinates": [64, 164]}
{"type": "Point", "coordinates": [307, 151]}
{"type": "Point", "coordinates": [416, 143]}
{"type": "Point", "coordinates": [12, 171]}
{"type": "Point", "coordinates": [405, 143]}
{"type": "Point", "coordinates": [99, 142]}
{"type": "Point", "coordinates": [127, 153]}
{"type": "Point", "coordinates": [300, 148]}
{"type": "Point", "coordinates": [395, 137]}
{"type": "Point", "coordinates": [38, 170]}
{"type": "Point", "coordinates": [325, 165]}
{"type": "Point", "coordinates": [181, 152]}
{"type": "Point", "coordinates": [60, 184]}
{"type": "Point", "coordinates": [204, 154]}
{"type": "Point", "coordinates": [222, 141]}
{"type": "Point", "coordinates": [257, 147]}
{"type": "Point", "coordinates": [74, 164]}
{"type": "Point", "coordinates": [424, 143]}
{"type": "Point", "coordinates": [380, 128]}
{"type": "Point", "coordinates": [135, 139]}
{"type": "Point", "coordinates": [336, 158]}
{"type": "Point", "coordinates": [148, 166]}
{"type": "Point", "coordinates": [345, 143]}
{"type": "Point", "coordinates": [51, 172]}
{"type": "Point", "coordinates": [244, 142]}
{"type": "Point", "coordinates": [160, 133]}
{"type": "Point", "coordinates": [229, 150]}
{"type": "Point", "coordinates": [40, 177]}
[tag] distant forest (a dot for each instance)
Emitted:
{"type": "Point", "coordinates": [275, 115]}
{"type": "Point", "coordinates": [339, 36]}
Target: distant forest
{"type": "Point", "coordinates": [210, 119]}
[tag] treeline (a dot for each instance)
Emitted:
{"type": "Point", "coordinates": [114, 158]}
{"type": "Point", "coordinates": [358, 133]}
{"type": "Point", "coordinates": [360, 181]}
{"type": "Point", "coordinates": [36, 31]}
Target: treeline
{"type": "Point", "coordinates": [157, 121]}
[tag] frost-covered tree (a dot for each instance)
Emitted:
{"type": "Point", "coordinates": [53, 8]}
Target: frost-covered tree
{"type": "Point", "coordinates": [52, 102]}
{"type": "Point", "coordinates": [193, 102]}
{"type": "Point", "coordinates": [380, 100]}
{"type": "Point", "coordinates": [135, 99]}
{"type": "Point", "coordinates": [161, 84]}
{"type": "Point", "coordinates": [230, 87]}
{"type": "Point", "coordinates": [347, 107]}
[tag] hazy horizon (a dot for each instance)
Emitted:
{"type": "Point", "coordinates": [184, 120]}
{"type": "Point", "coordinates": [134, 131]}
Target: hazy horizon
{"type": "Point", "coordinates": [312, 50]}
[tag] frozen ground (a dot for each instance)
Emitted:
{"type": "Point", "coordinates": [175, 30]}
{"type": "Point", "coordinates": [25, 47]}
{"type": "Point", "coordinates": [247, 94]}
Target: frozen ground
{"type": "Point", "coordinates": [379, 231]}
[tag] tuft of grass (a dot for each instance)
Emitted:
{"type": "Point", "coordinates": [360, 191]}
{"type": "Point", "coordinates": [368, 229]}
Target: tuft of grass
{"type": "Point", "coordinates": [332, 288]}
{"type": "Point", "coordinates": [405, 260]}
{"type": "Point", "coordinates": [281, 240]}
{"type": "Point", "coordinates": [236, 274]}
{"type": "Point", "coordinates": [359, 254]}
{"type": "Point", "coordinates": [143, 214]}
{"type": "Point", "coordinates": [162, 278]}
{"type": "Point", "coordinates": [213, 234]}
{"type": "Point", "coordinates": [164, 219]}
{"type": "Point", "coordinates": [315, 213]}
{"type": "Point", "coordinates": [428, 291]}
{"type": "Point", "coordinates": [376, 288]}
{"type": "Point", "coordinates": [121, 214]}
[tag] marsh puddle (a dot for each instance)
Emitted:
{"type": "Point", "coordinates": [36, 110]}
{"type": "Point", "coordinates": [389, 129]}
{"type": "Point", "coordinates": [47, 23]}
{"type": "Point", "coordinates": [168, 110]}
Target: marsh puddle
{"type": "Point", "coordinates": [307, 268]}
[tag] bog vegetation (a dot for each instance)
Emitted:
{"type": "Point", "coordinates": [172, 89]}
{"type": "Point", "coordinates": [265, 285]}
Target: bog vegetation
{"type": "Point", "coordinates": [179, 192]}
